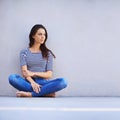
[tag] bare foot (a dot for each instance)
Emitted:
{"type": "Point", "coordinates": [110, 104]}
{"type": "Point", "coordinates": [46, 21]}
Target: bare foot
{"type": "Point", "coordinates": [23, 94]}
{"type": "Point", "coordinates": [50, 95]}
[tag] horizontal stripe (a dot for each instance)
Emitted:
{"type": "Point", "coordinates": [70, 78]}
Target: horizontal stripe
{"type": "Point", "coordinates": [61, 109]}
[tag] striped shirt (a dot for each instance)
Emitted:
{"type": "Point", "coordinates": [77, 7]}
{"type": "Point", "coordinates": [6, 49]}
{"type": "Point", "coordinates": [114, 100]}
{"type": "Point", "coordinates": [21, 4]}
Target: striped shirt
{"type": "Point", "coordinates": [35, 62]}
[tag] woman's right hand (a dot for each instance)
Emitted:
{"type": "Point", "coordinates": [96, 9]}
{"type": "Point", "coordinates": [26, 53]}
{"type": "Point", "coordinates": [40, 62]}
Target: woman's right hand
{"type": "Point", "coordinates": [36, 87]}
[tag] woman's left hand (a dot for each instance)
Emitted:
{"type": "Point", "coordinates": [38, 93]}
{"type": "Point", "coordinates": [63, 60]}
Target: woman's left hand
{"type": "Point", "coordinates": [27, 73]}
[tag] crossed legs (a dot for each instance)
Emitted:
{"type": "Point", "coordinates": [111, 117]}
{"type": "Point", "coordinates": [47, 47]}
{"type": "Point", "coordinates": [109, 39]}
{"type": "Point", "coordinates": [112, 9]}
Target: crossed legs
{"type": "Point", "coordinates": [48, 89]}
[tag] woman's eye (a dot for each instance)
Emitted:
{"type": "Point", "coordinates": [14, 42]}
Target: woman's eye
{"type": "Point", "coordinates": [40, 34]}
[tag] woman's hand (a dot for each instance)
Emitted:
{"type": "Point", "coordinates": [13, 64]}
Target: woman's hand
{"type": "Point", "coordinates": [27, 73]}
{"type": "Point", "coordinates": [36, 87]}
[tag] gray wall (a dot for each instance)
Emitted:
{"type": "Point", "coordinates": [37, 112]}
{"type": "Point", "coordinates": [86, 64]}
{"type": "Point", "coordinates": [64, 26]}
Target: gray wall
{"type": "Point", "coordinates": [84, 35]}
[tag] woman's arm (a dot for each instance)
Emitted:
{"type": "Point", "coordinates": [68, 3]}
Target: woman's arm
{"type": "Point", "coordinates": [46, 75]}
{"type": "Point", "coordinates": [35, 86]}
{"type": "Point", "coordinates": [26, 73]}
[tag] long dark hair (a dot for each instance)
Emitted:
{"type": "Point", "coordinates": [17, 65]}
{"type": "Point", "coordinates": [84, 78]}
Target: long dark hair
{"type": "Point", "coordinates": [43, 47]}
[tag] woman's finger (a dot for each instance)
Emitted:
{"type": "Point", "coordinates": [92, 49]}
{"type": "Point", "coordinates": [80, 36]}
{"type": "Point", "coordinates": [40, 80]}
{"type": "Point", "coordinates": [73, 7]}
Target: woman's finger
{"type": "Point", "coordinates": [38, 88]}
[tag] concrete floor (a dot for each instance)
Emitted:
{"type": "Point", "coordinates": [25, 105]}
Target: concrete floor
{"type": "Point", "coordinates": [60, 108]}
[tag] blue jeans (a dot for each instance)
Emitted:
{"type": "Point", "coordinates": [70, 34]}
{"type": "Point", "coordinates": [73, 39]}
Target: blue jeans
{"type": "Point", "coordinates": [48, 86]}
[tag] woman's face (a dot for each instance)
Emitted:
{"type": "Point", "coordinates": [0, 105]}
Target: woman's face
{"type": "Point", "coordinates": [39, 37]}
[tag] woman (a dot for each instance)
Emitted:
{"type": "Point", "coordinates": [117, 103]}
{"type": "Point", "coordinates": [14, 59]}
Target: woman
{"type": "Point", "coordinates": [36, 66]}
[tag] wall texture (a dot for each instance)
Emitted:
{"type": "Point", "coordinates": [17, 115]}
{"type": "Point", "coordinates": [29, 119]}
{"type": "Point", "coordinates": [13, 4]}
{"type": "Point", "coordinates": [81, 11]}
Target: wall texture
{"type": "Point", "coordinates": [84, 35]}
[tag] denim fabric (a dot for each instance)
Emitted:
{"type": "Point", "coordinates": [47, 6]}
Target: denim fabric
{"type": "Point", "coordinates": [48, 86]}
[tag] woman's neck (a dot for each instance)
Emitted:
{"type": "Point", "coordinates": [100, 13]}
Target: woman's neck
{"type": "Point", "coordinates": [35, 48]}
